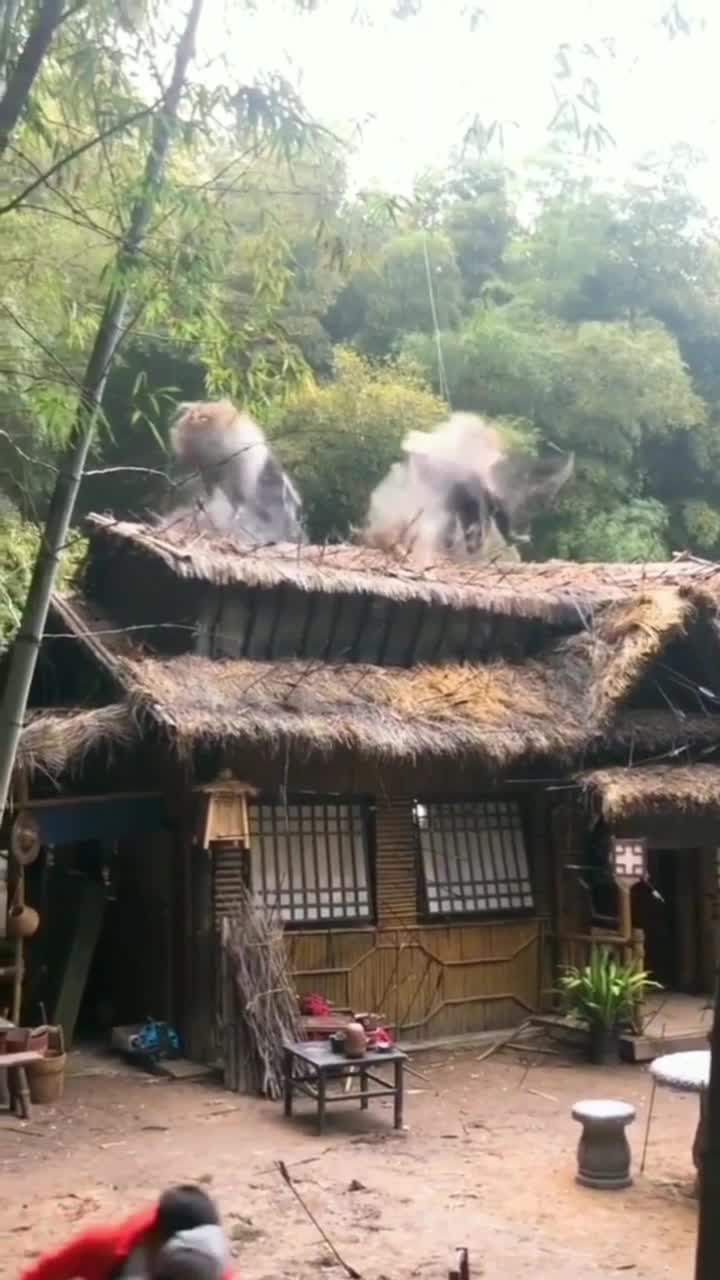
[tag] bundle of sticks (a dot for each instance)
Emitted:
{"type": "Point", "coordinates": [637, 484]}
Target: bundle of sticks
{"type": "Point", "coordinates": [260, 1006]}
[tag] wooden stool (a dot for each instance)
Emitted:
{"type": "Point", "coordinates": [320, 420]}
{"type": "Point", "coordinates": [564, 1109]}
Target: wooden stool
{"type": "Point", "coordinates": [12, 1067]}
{"type": "Point", "coordinates": [603, 1151]}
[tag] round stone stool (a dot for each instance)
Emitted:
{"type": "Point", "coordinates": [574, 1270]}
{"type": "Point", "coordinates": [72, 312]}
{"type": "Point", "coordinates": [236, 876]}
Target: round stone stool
{"type": "Point", "coordinates": [603, 1150]}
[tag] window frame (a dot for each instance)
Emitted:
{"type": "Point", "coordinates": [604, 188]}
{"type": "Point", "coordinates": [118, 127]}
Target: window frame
{"type": "Point", "coordinates": [474, 916]}
{"type": "Point", "coordinates": [367, 806]}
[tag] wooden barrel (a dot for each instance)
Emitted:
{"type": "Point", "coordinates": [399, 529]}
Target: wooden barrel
{"type": "Point", "coordinates": [46, 1079]}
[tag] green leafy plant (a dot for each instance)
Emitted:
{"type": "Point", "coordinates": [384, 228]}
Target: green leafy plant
{"type": "Point", "coordinates": [605, 993]}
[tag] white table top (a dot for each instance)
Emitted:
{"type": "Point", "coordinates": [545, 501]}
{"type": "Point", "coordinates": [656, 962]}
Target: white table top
{"type": "Point", "coordinates": [689, 1071]}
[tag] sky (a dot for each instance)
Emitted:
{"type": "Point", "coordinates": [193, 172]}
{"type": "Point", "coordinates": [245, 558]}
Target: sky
{"type": "Point", "coordinates": [410, 88]}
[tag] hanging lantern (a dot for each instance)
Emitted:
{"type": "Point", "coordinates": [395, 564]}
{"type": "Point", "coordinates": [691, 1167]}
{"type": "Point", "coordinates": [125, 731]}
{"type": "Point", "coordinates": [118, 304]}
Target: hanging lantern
{"type": "Point", "coordinates": [225, 819]}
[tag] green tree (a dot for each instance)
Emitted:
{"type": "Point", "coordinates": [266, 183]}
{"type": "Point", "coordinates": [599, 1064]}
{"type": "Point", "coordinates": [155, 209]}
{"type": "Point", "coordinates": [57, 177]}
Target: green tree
{"type": "Point", "coordinates": [635, 531]}
{"type": "Point", "coordinates": [608, 392]}
{"type": "Point", "coordinates": [395, 294]}
{"type": "Point", "coordinates": [339, 439]}
{"type": "Point", "coordinates": [19, 543]}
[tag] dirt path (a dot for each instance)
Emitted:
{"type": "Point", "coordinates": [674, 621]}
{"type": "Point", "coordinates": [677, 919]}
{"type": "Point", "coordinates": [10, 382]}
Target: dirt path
{"type": "Point", "coordinates": [488, 1161]}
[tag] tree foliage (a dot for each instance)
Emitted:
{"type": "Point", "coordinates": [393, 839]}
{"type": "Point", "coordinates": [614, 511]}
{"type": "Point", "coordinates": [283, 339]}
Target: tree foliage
{"type": "Point", "coordinates": [582, 316]}
{"type": "Point", "coordinates": [355, 424]}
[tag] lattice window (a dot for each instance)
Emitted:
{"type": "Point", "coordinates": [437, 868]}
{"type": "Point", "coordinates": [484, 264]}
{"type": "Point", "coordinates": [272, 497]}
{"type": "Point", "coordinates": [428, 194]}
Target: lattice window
{"type": "Point", "coordinates": [473, 857]}
{"type": "Point", "coordinates": [309, 860]}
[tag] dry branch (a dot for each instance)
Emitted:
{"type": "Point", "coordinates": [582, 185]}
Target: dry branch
{"type": "Point", "coordinates": [261, 1007]}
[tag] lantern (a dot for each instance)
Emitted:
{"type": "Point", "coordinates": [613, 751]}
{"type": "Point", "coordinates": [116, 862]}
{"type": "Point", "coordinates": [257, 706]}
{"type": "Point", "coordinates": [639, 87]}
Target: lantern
{"type": "Point", "coordinates": [628, 859]}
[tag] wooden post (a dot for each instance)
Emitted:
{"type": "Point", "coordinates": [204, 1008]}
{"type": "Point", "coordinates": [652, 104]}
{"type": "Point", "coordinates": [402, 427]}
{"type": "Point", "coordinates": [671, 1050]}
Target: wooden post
{"type": "Point", "coordinates": [18, 900]}
{"type": "Point", "coordinates": [625, 928]}
{"type": "Point", "coordinates": [707, 1258]}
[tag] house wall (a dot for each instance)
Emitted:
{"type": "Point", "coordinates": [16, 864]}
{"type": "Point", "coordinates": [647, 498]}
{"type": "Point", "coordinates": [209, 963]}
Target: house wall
{"type": "Point", "coordinates": [430, 979]}
{"type": "Point", "coordinates": [284, 622]}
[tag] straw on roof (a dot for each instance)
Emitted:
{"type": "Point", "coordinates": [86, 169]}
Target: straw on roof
{"type": "Point", "coordinates": [663, 790]}
{"type": "Point", "coordinates": [552, 707]}
{"type": "Point", "coordinates": [58, 742]}
{"type": "Point", "coordinates": [630, 637]}
{"type": "Point", "coordinates": [552, 590]}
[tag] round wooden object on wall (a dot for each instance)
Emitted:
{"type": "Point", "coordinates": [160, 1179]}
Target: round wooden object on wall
{"type": "Point", "coordinates": [25, 839]}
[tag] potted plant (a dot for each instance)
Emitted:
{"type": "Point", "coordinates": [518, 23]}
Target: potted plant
{"type": "Point", "coordinates": [605, 995]}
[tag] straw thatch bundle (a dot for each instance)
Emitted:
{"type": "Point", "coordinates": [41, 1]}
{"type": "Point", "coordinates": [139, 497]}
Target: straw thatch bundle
{"type": "Point", "coordinates": [56, 742]}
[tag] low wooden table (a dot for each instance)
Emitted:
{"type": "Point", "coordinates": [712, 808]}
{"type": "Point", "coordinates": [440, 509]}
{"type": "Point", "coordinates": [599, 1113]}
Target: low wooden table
{"type": "Point", "coordinates": [14, 1085]}
{"type": "Point", "coordinates": [326, 1065]}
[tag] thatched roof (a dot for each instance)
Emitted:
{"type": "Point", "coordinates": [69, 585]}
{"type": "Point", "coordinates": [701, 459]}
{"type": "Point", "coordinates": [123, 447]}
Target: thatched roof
{"type": "Point", "coordinates": [557, 591]}
{"type": "Point", "coordinates": [662, 790]}
{"type": "Point", "coordinates": [58, 742]}
{"type": "Point", "coordinates": [555, 707]}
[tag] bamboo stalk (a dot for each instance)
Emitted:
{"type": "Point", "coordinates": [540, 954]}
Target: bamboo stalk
{"type": "Point", "coordinates": [110, 332]}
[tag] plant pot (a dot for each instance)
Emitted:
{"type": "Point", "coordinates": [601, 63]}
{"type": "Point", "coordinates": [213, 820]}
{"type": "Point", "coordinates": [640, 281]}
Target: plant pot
{"type": "Point", "coordinates": [46, 1079]}
{"type": "Point", "coordinates": [22, 922]}
{"type": "Point", "coordinates": [604, 1045]}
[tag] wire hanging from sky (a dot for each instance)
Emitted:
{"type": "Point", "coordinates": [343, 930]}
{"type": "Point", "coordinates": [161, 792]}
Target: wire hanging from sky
{"type": "Point", "coordinates": [442, 376]}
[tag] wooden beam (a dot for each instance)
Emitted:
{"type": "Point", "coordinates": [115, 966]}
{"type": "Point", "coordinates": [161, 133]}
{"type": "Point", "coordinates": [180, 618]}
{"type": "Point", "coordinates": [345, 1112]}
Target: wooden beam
{"type": "Point", "coordinates": [277, 617]}
{"type": "Point", "coordinates": [415, 633]}
{"type": "Point", "coordinates": [707, 1258]}
{"type": "Point", "coordinates": [363, 615]}
{"type": "Point", "coordinates": [89, 921]}
{"type": "Point", "coordinates": [252, 605]}
{"type": "Point", "coordinates": [310, 608]}
{"type": "Point", "coordinates": [337, 609]}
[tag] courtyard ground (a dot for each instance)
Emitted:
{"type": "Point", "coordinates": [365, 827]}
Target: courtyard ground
{"type": "Point", "coordinates": [487, 1161]}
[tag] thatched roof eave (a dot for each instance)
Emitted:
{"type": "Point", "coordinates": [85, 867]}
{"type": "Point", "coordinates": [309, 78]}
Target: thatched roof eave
{"type": "Point", "coordinates": [561, 593]}
{"type": "Point", "coordinates": [660, 790]}
{"type": "Point", "coordinates": [56, 742]}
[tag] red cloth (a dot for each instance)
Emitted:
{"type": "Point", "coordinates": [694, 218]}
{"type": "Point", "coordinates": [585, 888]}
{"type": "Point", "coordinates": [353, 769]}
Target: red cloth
{"type": "Point", "coordinates": [97, 1253]}
{"type": "Point", "coordinates": [314, 1006]}
{"type": "Point", "coordinates": [380, 1036]}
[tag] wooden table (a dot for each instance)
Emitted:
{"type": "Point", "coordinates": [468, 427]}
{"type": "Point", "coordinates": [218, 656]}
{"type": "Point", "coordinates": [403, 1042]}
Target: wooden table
{"type": "Point", "coordinates": [325, 1065]}
{"type": "Point", "coordinates": [689, 1072]}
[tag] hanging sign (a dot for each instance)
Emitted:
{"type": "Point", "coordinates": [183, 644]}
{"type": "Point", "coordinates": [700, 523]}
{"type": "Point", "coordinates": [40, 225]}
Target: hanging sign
{"type": "Point", "coordinates": [628, 859]}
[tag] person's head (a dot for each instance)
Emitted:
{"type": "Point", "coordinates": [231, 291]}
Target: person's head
{"type": "Point", "coordinates": [198, 1254]}
{"type": "Point", "coordinates": [183, 1209]}
{"type": "Point", "coordinates": [187, 1241]}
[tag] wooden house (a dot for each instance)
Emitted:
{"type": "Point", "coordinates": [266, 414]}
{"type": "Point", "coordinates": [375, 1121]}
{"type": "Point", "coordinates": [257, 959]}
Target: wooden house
{"type": "Point", "coordinates": [421, 771]}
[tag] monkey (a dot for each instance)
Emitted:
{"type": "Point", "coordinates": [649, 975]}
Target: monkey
{"type": "Point", "coordinates": [456, 487]}
{"type": "Point", "coordinates": [247, 492]}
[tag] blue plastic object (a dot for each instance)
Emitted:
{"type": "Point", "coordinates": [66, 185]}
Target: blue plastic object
{"type": "Point", "coordinates": [156, 1040]}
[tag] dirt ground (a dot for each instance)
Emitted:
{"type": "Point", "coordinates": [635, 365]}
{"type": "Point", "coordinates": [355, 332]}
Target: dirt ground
{"type": "Point", "coordinates": [487, 1161]}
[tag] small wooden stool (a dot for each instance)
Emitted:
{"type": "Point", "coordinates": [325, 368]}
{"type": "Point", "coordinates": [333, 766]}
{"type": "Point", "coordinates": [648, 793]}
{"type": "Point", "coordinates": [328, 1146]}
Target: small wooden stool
{"type": "Point", "coordinates": [603, 1151]}
{"type": "Point", "coordinates": [17, 1093]}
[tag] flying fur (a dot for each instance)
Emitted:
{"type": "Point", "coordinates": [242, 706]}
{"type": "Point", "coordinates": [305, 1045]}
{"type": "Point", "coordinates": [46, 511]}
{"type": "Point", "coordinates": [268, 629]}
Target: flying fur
{"type": "Point", "coordinates": [458, 492]}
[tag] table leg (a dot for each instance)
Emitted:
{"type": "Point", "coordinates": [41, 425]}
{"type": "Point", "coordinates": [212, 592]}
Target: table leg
{"type": "Point", "coordinates": [22, 1093]}
{"type": "Point", "coordinates": [4, 1090]}
{"type": "Point", "coordinates": [399, 1087]}
{"type": "Point", "coordinates": [288, 1081]}
{"type": "Point", "coordinates": [363, 1090]}
{"type": "Point", "coordinates": [321, 1101]}
{"type": "Point", "coordinates": [700, 1141]}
